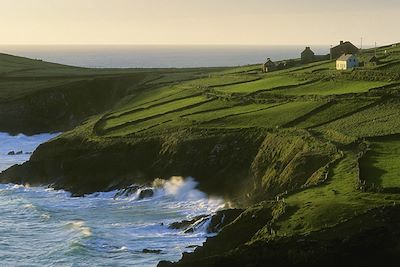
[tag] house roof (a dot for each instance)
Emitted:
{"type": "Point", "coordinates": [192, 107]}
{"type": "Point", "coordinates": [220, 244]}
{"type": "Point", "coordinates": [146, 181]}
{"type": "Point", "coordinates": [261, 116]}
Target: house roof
{"type": "Point", "coordinates": [343, 44]}
{"type": "Point", "coordinates": [269, 61]}
{"type": "Point", "coordinates": [345, 57]}
{"type": "Point", "coordinates": [307, 50]}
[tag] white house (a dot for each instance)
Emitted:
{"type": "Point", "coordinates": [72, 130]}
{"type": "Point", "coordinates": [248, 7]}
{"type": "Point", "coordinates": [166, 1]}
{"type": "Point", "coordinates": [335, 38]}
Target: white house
{"type": "Point", "coordinates": [346, 62]}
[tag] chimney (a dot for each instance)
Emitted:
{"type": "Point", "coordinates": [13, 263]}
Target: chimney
{"type": "Point", "coordinates": [341, 42]}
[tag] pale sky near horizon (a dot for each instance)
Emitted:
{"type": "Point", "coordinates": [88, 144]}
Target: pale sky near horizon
{"type": "Point", "coordinates": [247, 22]}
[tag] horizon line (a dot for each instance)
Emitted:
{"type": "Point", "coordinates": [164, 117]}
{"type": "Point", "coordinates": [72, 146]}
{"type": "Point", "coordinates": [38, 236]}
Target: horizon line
{"type": "Point", "coordinates": [167, 44]}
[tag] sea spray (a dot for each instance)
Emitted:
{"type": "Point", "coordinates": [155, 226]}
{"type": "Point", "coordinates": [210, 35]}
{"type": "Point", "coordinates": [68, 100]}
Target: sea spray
{"type": "Point", "coordinates": [176, 188]}
{"type": "Point", "coordinates": [98, 229]}
{"type": "Point", "coordinates": [180, 188]}
{"type": "Point", "coordinates": [90, 230]}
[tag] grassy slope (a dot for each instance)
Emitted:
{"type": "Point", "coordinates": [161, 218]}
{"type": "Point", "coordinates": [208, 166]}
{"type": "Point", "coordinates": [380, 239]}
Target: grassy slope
{"type": "Point", "coordinates": [343, 114]}
{"type": "Point", "coordinates": [38, 96]}
{"type": "Point", "coordinates": [355, 113]}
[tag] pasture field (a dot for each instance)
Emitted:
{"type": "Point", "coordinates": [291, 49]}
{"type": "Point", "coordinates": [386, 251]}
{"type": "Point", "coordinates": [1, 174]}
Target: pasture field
{"type": "Point", "coordinates": [380, 166]}
{"type": "Point", "coordinates": [379, 120]}
{"type": "Point", "coordinates": [271, 117]}
{"type": "Point", "coordinates": [334, 111]}
{"type": "Point", "coordinates": [326, 88]}
{"type": "Point", "coordinates": [339, 130]}
{"type": "Point", "coordinates": [265, 84]}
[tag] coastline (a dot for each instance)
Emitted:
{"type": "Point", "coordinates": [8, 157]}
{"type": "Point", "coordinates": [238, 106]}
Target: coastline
{"type": "Point", "coordinates": [290, 147]}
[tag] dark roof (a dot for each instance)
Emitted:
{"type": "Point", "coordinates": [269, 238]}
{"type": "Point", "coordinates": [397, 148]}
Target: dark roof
{"type": "Point", "coordinates": [308, 49]}
{"type": "Point", "coordinates": [344, 43]}
{"type": "Point", "coordinates": [373, 59]}
{"type": "Point", "coordinates": [269, 61]}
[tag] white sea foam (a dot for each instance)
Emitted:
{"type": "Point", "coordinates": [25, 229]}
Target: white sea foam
{"type": "Point", "coordinates": [179, 188]}
{"type": "Point", "coordinates": [60, 226]}
{"type": "Point", "coordinates": [122, 249]}
{"type": "Point", "coordinates": [81, 227]}
{"type": "Point", "coordinates": [45, 216]}
{"type": "Point", "coordinates": [28, 206]}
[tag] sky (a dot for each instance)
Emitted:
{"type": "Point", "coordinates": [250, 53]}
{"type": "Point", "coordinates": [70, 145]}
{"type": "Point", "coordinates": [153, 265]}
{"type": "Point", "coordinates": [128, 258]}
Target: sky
{"type": "Point", "coordinates": [198, 22]}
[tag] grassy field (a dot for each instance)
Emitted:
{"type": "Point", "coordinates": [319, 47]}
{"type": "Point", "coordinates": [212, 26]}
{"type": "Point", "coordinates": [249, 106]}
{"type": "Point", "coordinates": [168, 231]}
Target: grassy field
{"type": "Point", "coordinates": [339, 109]}
{"type": "Point", "coordinates": [267, 83]}
{"type": "Point", "coordinates": [334, 111]}
{"type": "Point", "coordinates": [308, 108]}
{"type": "Point", "coordinates": [159, 110]}
{"type": "Point", "coordinates": [272, 117]}
{"type": "Point", "coordinates": [325, 88]}
{"type": "Point", "coordinates": [379, 120]}
{"type": "Point", "coordinates": [380, 166]}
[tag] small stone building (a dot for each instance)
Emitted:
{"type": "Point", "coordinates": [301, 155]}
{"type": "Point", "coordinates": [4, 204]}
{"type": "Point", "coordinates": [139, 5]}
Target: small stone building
{"type": "Point", "coordinates": [269, 66]}
{"type": "Point", "coordinates": [307, 55]}
{"type": "Point", "coordinates": [343, 48]}
{"type": "Point", "coordinates": [346, 62]}
{"type": "Point", "coordinates": [372, 61]}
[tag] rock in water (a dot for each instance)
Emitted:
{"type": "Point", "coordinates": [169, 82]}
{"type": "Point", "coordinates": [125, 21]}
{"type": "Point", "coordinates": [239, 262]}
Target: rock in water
{"type": "Point", "coordinates": [187, 225]}
{"type": "Point", "coordinates": [146, 193]}
{"type": "Point", "coordinates": [165, 264]}
{"type": "Point", "coordinates": [127, 191]}
{"type": "Point", "coordinates": [19, 152]}
{"type": "Point", "coordinates": [11, 153]}
{"type": "Point", "coordinates": [217, 221]}
{"type": "Point", "coordinates": [151, 251]}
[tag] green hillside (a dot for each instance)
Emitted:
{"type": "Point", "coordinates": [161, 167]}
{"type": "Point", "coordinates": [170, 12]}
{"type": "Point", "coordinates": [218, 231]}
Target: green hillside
{"type": "Point", "coordinates": [305, 150]}
{"type": "Point", "coordinates": [39, 96]}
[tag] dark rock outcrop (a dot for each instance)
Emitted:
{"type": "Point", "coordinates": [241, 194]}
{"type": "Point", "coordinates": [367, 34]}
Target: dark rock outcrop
{"type": "Point", "coordinates": [216, 221]}
{"type": "Point", "coordinates": [151, 251]}
{"type": "Point", "coordinates": [130, 190]}
{"type": "Point", "coordinates": [146, 193]}
{"type": "Point", "coordinates": [186, 223]}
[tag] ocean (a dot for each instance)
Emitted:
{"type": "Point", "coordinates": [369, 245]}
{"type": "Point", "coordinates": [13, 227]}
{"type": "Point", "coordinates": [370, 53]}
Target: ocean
{"type": "Point", "coordinates": [40, 226]}
{"type": "Point", "coordinates": [155, 56]}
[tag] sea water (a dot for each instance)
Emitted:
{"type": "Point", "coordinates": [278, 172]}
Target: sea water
{"type": "Point", "coordinates": [40, 226]}
{"type": "Point", "coordinates": [158, 56]}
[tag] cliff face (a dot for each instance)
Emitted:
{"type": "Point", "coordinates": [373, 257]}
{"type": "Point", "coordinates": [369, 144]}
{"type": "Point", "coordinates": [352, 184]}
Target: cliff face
{"type": "Point", "coordinates": [219, 162]}
{"type": "Point", "coordinates": [63, 107]}
{"type": "Point", "coordinates": [243, 164]}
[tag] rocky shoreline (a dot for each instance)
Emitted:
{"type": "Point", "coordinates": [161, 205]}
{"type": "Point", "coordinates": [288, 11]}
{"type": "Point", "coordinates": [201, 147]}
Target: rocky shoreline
{"type": "Point", "coordinates": [375, 243]}
{"type": "Point", "coordinates": [83, 167]}
{"type": "Point", "coordinates": [87, 166]}
{"type": "Point", "coordinates": [234, 172]}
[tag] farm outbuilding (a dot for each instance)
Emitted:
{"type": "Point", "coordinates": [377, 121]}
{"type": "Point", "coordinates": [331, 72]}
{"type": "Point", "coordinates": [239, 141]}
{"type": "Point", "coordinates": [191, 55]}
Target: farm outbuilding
{"type": "Point", "coordinates": [269, 66]}
{"type": "Point", "coordinates": [372, 61]}
{"type": "Point", "coordinates": [307, 55]}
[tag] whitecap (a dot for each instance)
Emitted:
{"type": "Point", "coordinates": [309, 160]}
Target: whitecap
{"type": "Point", "coordinates": [28, 206]}
{"type": "Point", "coordinates": [81, 227]}
{"type": "Point", "coordinates": [122, 249]}
{"type": "Point", "coordinates": [45, 216]}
